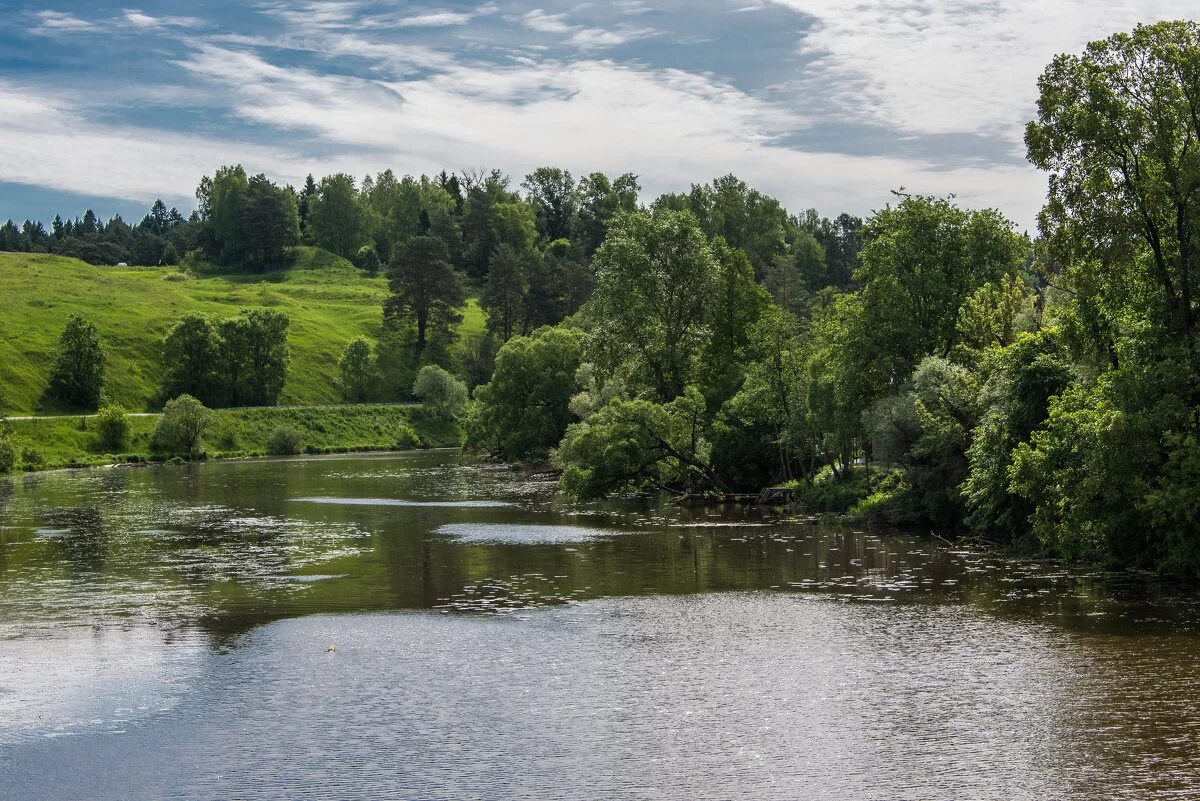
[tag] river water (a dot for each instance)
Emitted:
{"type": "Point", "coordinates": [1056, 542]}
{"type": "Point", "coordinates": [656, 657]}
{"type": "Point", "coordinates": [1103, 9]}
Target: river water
{"type": "Point", "coordinates": [414, 627]}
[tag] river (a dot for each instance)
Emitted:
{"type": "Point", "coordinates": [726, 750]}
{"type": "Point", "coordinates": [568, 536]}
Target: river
{"type": "Point", "coordinates": [418, 627]}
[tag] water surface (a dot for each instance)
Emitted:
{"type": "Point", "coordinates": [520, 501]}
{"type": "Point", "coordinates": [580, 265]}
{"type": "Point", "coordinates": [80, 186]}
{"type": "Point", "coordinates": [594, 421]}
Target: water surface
{"type": "Point", "coordinates": [166, 633]}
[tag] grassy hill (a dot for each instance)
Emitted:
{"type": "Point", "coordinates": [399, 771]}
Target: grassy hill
{"type": "Point", "coordinates": [328, 301]}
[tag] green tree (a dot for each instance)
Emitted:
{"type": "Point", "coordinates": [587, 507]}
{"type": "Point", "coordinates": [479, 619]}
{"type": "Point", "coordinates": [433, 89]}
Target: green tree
{"type": "Point", "coordinates": [923, 259]}
{"type": "Point", "coordinates": [112, 427]}
{"type": "Point", "coordinates": [506, 294]}
{"type": "Point", "coordinates": [269, 224]}
{"type": "Point", "coordinates": [336, 218]}
{"type": "Point", "coordinates": [425, 289]}
{"type": "Point", "coordinates": [440, 391]}
{"type": "Point", "coordinates": [635, 444]}
{"type": "Point", "coordinates": [359, 374]}
{"type": "Point", "coordinates": [192, 358]}
{"type": "Point", "coordinates": [551, 192]}
{"type": "Point", "coordinates": [525, 408]}
{"type": "Point", "coordinates": [599, 200]}
{"type": "Point", "coordinates": [254, 357]}
{"type": "Point", "coordinates": [744, 217]}
{"type": "Point", "coordinates": [182, 426]}
{"type": "Point", "coordinates": [1117, 129]}
{"type": "Point", "coordinates": [77, 377]}
{"type": "Point", "coordinates": [655, 278]}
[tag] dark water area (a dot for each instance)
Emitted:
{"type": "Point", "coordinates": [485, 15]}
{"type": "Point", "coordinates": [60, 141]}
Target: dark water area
{"type": "Point", "coordinates": [415, 627]}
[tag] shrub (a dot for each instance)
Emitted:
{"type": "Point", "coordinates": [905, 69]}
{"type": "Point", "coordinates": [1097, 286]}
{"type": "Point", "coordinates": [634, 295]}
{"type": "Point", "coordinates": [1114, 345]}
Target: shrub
{"type": "Point", "coordinates": [441, 392]}
{"type": "Point", "coordinates": [32, 459]}
{"type": "Point", "coordinates": [407, 438]}
{"type": "Point", "coordinates": [182, 427]}
{"type": "Point", "coordinates": [367, 259]}
{"type": "Point", "coordinates": [285, 440]}
{"type": "Point", "coordinates": [8, 454]}
{"type": "Point", "coordinates": [112, 427]}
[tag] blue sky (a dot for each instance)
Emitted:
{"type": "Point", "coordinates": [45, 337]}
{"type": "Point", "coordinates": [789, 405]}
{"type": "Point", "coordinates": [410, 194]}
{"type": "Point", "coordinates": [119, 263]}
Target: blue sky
{"type": "Point", "coordinates": [823, 103]}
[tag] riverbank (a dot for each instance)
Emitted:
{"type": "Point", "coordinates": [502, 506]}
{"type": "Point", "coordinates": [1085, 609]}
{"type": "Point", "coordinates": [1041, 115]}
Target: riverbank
{"type": "Point", "coordinates": [49, 443]}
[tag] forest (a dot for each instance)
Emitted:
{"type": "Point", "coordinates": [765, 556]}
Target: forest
{"type": "Point", "coordinates": [928, 365]}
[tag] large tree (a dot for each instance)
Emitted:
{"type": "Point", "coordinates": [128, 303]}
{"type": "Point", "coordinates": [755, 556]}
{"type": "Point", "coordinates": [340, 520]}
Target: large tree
{"type": "Point", "coordinates": [254, 357]}
{"type": "Point", "coordinates": [505, 297]}
{"type": "Point", "coordinates": [192, 358]}
{"type": "Point", "coordinates": [425, 289]}
{"type": "Point", "coordinates": [656, 278]}
{"type": "Point", "coordinates": [337, 220]}
{"type": "Point", "coordinates": [551, 191]}
{"type": "Point", "coordinates": [923, 258]}
{"type": "Point", "coordinates": [77, 377]}
{"type": "Point", "coordinates": [525, 408]}
{"type": "Point", "coordinates": [1118, 129]}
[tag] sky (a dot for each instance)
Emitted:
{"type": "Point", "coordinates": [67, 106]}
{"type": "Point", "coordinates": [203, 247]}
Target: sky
{"type": "Point", "coordinates": [826, 104]}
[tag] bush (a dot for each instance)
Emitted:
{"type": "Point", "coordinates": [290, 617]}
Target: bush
{"type": "Point", "coordinates": [407, 438]}
{"type": "Point", "coordinates": [32, 459]}
{"type": "Point", "coordinates": [441, 392]}
{"type": "Point", "coordinates": [8, 454]}
{"type": "Point", "coordinates": [112, 428]}
{"type": "Point", "coordinates": [836, 494]}
{"type": "Point", "coordinates": [182, 427]}
{"type": "Point", "coordinates": [285, 440]}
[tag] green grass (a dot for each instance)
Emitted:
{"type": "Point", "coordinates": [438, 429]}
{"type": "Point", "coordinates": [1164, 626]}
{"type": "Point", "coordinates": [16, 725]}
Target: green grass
{"type": "Point", "coordinates": [71, 440]}
{"type": "Point", "coordinates": [328, 301]}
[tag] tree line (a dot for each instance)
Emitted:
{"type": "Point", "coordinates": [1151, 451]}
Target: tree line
{"type": "Point", "coordinates": [957, 375]}
{"type": "Point", "coordinates": [236, 361]}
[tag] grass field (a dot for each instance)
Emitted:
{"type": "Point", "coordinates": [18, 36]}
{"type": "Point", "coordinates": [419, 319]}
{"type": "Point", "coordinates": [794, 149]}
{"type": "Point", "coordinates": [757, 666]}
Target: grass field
{"type": "Point", "coordinates": [328, 301]}
{"type": "Point", "coordinates": [71, 441]}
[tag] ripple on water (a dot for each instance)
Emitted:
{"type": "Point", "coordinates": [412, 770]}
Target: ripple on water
{"type": "Point", "coordinates": [402, 502]}
{"type": "Point", "coordinates": [737, 695]}
{"type": "Point", "coordinates": [522, 534]}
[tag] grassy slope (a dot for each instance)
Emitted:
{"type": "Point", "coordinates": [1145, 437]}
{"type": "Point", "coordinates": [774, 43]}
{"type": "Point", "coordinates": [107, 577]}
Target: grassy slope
{"type": "Point", "coordinates": [70, 441]}
{"type": "Point", "coordinates": [328, 301]}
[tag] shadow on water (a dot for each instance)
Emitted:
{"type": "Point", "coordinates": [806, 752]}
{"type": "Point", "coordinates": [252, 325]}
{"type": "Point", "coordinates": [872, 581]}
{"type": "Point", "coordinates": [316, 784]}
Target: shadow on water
{"type": "Point", "coordinates": [227, 547]}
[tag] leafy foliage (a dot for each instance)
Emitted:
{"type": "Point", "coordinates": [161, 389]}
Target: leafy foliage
{"type": "Point", "coordinates": [77, 378]}
{"type": "Point", "coordinates": [112, 428]}
{"type": "Point", "coordinates": [442, 393]}
{"type": "Point", "coordinates": [182, 427]}
{"type": "Point", "coordinates": [525, 408]}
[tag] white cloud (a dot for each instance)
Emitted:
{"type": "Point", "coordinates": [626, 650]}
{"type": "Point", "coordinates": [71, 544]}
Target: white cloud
{"type": "Point", "coordinates": [670, 126]}
{"type": "Point", "coordinates": [59, 22]}
{"type": "Point", "coordinates": [949, 66]}
{"type": "Point", "coordinates": [539, 20]}
{"type": "Point", "coordinates": [585, 38]}
{"type": "Point", "coordinates": [48, 143]}
{"type": "Point", "coordinates": [139, 20]}
{"type": "Point", "coordinates": [594, 38]}
{"type": "Point", "coordinates": [438, 19]}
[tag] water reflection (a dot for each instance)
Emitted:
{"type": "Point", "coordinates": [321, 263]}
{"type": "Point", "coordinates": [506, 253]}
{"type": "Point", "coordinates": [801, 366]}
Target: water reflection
{"type": "Point", "coordinates": [695, 652]}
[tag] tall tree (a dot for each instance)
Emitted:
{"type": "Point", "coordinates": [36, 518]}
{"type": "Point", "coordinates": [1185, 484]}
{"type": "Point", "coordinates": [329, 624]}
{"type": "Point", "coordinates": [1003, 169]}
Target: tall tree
{"type": "Point", "coordinates": [336, 218]}
{"type": "Point", "coordinates": [77, 377]}
{"type": "Point", "coordinates": [254, 357]}
{"type": "Point", "coordinates": [506, 294]}
{"type": "Point", "coordinates": [923, 258]}
{"type": "Point", "coordinates": [1118, 129]}
{"type": "Point", "coordinates": [425, 289]}
{"type": "Point", "coordinates": [192, 357]}
{"type": "Point", "coordinates": [551, 191]}
{"type": "Point", "coordinates": [655, 278]}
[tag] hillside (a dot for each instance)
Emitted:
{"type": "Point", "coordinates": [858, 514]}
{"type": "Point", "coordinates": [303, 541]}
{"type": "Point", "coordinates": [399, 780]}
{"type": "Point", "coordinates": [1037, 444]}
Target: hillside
{"type": "Point", "coordinates": [328, 301]}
